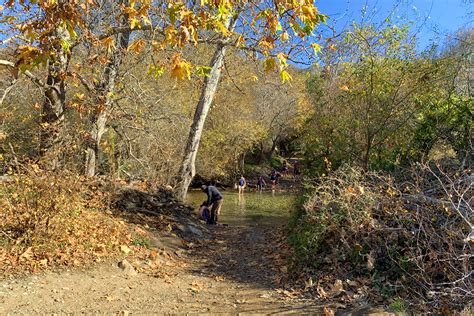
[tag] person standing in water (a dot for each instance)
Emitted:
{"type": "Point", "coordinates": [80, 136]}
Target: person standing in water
{"type": "Point", "coordinates": [273, 178]}
{"type": "Point", "coordinates": [214, 201]}
{"type": "Point", "coordinates": [242, 184]}
{"type": "Point", "coordinates": [260, 183]}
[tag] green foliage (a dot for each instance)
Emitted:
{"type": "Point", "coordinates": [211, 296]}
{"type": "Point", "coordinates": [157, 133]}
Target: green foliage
{"type": "Point", "coordinates": [398, 306]}
{"type": "Point", "coordinates": [141, 241]}
{"type": "Point", "coordinates": [380, 104]}
{"type": "Point", "coordinates": [275, 162]}
{"type": "Point", "coordinates": [449, 120]}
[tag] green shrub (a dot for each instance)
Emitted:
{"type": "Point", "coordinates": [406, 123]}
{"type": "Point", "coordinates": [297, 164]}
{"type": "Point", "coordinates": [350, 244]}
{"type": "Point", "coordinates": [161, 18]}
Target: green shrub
{"type": "Point", "coordinates": [398, 306]}
{"type": "Point", "coordinates": [141, 241]}
{"type": "Point", "coordinates": [343, 201]}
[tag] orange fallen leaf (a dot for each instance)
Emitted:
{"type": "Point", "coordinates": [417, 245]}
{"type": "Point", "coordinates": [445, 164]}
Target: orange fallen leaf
{"type": "Point", "coordinates": [28, 254]}
{"type": "Point", "coordinates": [322, 293]}
{"type": "Point", "coordinates": [328, 311]}
{"type": "Point", "coordinates": [220, 278]}
{"type": "Point", "coordinates": [344, 88]}
{"type": "Point", "coordinates": [153, 254]}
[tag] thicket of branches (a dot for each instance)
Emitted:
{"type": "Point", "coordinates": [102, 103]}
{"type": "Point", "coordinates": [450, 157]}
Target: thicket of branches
{"type": "Point", "coordinates": [408, 238]}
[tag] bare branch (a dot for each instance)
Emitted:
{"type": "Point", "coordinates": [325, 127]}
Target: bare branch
{"type": "Point", "coordinates": [27, 73]}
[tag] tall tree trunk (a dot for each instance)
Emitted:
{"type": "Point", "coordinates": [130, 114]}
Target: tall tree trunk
{"type": "Point", "coordinates": [242, 164]}
{"type": "Point", "coordinates": [52, 112]}
{"type": "Point", "coordinates": [273, 150]}
{"type": "Point", "coordinates": [104, 92]}
{"type": "Point", "coordinates": [98, 121]}
{"type": "Point", "coordinates": [261, 154]}
{"type": "Point", "coordinates": [188, 170]}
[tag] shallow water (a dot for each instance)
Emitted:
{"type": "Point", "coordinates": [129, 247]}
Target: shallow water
{"type": "Point", "coordinates": [250, 208]}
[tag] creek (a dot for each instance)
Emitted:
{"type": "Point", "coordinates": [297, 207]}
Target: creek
{"type": "Point", "coordinates": [251, 208]}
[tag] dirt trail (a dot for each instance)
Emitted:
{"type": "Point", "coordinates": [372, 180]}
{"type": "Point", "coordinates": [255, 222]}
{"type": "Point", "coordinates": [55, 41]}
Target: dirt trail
{"type": "Point", "coordinates": [233, 270]}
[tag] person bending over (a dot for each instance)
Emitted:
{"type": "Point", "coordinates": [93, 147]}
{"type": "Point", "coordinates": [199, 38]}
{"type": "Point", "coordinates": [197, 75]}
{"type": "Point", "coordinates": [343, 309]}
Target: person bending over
{"type": "Point", "coordinates": [214, 201]}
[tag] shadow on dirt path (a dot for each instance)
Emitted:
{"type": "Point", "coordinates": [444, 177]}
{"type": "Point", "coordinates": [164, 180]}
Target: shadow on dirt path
{"type": "Point", "coordinates": [246, 254]}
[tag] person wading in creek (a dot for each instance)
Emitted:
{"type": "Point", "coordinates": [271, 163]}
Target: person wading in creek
{"type": "Point", "coordinates": [214, 202]}
{"type": "Point", "coordinates": [242, 184]}
{"type": "Point", "coordinates": [260, 184]}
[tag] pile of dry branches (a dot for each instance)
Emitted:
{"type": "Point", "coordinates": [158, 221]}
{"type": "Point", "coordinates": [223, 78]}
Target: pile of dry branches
{"type": "Point", "coordinates": [410, 238]}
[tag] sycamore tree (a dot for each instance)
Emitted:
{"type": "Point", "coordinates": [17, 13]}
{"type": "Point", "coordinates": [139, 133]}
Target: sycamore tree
{"type": "Point", "coordinates": [101, 84]}
{"type": "Point", "coordinates": [40, 33]}
{"type": "Point", "coordinates": [276, 31]}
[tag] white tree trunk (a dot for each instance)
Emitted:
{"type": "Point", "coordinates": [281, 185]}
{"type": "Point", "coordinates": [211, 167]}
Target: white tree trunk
{"type": "Point", "coordinates": [188, 170]}
{"type": "Point", "coordinates": [97, 130]}
{"type": "Point", "coordinates": [104, 92]}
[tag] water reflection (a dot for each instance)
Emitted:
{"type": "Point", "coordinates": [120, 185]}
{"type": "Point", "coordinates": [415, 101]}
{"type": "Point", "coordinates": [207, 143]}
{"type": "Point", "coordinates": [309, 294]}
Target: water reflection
{"type": "Point", "coordinates": [251, 208]}
{"type": "Point", "coordinates": [241, 203]}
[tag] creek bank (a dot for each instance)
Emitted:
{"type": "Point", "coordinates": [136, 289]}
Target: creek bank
{"type": "Point", "coordinates": [172, 264]}
{"type": "Point", "coordinates": [160, 203]}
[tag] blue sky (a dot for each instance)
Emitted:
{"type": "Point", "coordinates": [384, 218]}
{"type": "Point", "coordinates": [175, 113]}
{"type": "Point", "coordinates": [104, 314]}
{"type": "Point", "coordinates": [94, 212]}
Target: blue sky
{"type": "Point", "coordinates": [437, 17]}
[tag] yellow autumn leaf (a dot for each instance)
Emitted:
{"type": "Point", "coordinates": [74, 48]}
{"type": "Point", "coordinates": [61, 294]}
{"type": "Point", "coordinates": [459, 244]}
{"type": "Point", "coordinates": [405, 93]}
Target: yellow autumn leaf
{"type": "Point", "coordinates": [146, 20]}
{"type": "Point", "coordinates": [240, 41]}
{"type": "Point", "coordinates": [80, 96]}
{"type": "Point", "coordinates": [316, 48]}
{"type": "Point", "coordinates": [223, 29]}
{"type": "Point", "coordinates": [308, 10]}
{"type": "Point", "coordinates": [134, 23]}
{"type": "Point", "coordinates": [155, 71]}
{"type": "Point", "coordinates": [285, 76]}
{"type": "Point", "coordinates": [269, 64]}
{"type": "Point", "coordinates": [282, 60]}
{"type": "Point", "coordinates": [180, 68]}
{"type": "Point", "coordinates": [136, 46]}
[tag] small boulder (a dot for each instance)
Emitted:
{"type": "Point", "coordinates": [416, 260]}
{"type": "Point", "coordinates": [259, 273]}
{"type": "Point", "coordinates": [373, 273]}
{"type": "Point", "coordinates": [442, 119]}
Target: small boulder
{"type": "Point", "coordinates": [127, 267]}
{"type": "Point", "coordinates": [125, 249]}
